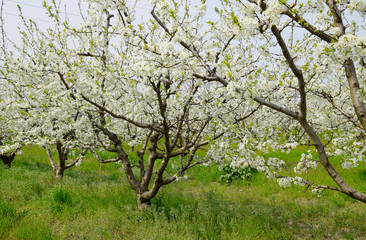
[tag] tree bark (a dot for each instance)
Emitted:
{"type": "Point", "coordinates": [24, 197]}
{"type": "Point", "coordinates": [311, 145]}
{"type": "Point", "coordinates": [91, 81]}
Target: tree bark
{"type": "Point", "coordinates": [7, 160]}
{"type": "Point", "coordinates": [59, 168]}
{"type": "Point", "coordinates": [59, 172]}
{"type": "Point", "coordinates": [142, 203]}
{"type": "Point", "coordinates": [354, 87]}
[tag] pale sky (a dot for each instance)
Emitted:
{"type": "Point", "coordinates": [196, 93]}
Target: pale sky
{"type": "Point", "coordinates": [34, 10]}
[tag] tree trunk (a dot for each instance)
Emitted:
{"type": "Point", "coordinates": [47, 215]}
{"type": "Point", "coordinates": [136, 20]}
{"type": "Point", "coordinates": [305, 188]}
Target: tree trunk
{"type": "Point", "coordinates": [142, 203]}
{"type": "Point", "coordinates": [7, 160]}
{"type": "Point", "coordinates": [7, 164]}
{"type": "Point", "coordinates": [59, 172]}
{"type": "Point", "coordinates": [62, 157]}
{"type": "Point", "coordinates": [354, 87]}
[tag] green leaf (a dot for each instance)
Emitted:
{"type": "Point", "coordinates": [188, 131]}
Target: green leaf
{"type": "Point", "coordinates": [235, 18]}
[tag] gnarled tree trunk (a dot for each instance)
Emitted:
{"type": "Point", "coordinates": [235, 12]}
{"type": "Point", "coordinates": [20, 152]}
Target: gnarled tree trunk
{"type": "Point", "coordinates": [59, 171]}
{"type": "Point", "coordinates": [61, 166]}
{"type": "Point", "coordinates": [142, 203]}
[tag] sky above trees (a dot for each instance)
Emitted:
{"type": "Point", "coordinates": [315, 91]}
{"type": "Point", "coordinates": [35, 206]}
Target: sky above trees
{"type": "Point", "coordinates": [34, 10]}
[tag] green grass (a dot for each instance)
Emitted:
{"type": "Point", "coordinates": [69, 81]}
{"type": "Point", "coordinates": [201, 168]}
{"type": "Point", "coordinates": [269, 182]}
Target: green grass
{"type": "Point", "coordinates": [93, 201]}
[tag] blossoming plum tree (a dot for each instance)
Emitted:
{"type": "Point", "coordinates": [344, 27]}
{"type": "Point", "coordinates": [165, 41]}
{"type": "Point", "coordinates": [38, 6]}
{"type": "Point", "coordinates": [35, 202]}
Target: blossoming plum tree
{"type": "Point", "coordinates": [140, 91]}
{"type": "Point", "coordinates": [119, 84]}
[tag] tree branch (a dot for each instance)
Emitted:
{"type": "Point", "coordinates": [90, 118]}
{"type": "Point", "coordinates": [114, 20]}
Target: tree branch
{"type": "Point", "coordinates": [50, 157]}
{"type": "Point", "coordinates": [81, 155]}
{"type": "Point", "coordinates": [310, 28]}
{"type": "Point", "coordinates": [225, 47]}
{"type": "Point", "coordinates": [116, 159]}
{"type": "Point", "coordinates": [141, 125]}
{"type": "Point", "coordinates": [313, 185]}
{"type": "Point", "coordinates": [344, 113]}
{"type": "Point", "coordinates": [294, 69]}
{"type": "Point", "coordinates": [192, 50]}
{"type": "Point", "coordinates": [281, 109]}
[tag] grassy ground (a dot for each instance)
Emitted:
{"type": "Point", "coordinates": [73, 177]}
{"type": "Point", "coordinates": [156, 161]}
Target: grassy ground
{"type": "Point", "coordinates": [94, 202]}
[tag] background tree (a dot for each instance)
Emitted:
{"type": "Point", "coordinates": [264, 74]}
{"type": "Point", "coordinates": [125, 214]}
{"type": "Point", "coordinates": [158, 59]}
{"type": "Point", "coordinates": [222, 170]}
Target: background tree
{"type": "Point", "coordinates": [10, 123]}
{"type": "Point", "coordinates": [316, 55]}
{"type": "Point", "coordinates": [36, 106]}
{"type": "Point", "coordinates": [11, 119]}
